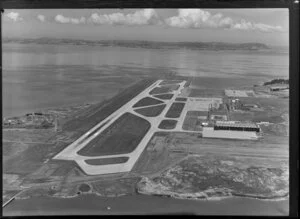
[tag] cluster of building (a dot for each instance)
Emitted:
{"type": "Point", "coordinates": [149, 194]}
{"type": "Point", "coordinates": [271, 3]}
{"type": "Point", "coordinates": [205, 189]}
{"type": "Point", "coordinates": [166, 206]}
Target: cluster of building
{"type": "Point", "coordinates": [213, 115]}
{"type": "Point", "coordinates": [237, 104]}
{"type": "Point", "coordinates": [29, 120]}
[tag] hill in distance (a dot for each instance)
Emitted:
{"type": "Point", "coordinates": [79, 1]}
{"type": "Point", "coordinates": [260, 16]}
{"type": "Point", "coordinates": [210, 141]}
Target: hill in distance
{"type": "Point", "coordinates": [144, 44]}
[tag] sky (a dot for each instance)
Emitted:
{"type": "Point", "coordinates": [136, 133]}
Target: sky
{"type": "Point", "coordinates": [269, 26]}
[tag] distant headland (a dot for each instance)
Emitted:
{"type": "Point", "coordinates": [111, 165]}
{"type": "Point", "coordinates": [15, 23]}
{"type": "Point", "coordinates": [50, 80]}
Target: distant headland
{"type": "Point", "coordinates": [144, 44]}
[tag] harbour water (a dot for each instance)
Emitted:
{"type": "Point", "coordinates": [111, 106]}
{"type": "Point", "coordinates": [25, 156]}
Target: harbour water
{"type": "Point", "coordinates": [39, 76]}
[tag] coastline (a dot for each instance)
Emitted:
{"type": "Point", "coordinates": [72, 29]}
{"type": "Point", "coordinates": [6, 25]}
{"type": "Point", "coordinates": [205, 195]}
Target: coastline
{"type": "Point", "coordinates": [90, 204]}
{"type": "Point", "coordinates": [204, 196]}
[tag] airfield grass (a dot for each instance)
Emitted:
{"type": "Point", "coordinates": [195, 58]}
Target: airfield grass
{"type": "Point", "coordinates": [147, 101]}
{"type": "Point", "coordinates": [181, 99]}
{"type": "Point", "coordinates": [197, 113]}
{"type": "Point", "coordinates": [164, 89]}
{"type": "Point", "coordinates": [264, 116]}
{"type": "Point", "coordinates": [107, 161]}
{"type": "Point", "coordinates": [113, 188]}
{"type": "Point", "coordinates": [121, 137]}
{"type": "Point", "coordinates": [192, 123]}
{"type": "Point", "coordinates": [175, 110]}
{"type": "Point", "coordinates": [206, 93]}
{"type": "Point", "coordinates": [167, 124]}
{"type": "Point", "coordinates": [167, 82]}
{"type": "Point", "coordinates": [151, 111]}
{"type": "Point", "coordinates": [84, 187]}
{"type": "Point", "coordinates": [164, 96]}
{"type": "Point", "coordinates": [27, 135]}
{"type": "Point", "coordinates": [157, 156]}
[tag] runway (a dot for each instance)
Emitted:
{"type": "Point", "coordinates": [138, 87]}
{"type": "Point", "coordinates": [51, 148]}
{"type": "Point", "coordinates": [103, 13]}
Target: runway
{"type": "Point", "coordinates": [70, 152]}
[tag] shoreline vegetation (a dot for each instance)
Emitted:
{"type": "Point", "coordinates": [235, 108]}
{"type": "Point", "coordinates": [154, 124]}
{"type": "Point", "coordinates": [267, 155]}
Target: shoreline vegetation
{"type": "Point", "coordinates": [200, 196]}
{"type": "Point", "coordinates": [217, 178]}
{"type": "Point", "coordinates": [144, 44]}
{"type": "Point", "coordinates": [277, 81]}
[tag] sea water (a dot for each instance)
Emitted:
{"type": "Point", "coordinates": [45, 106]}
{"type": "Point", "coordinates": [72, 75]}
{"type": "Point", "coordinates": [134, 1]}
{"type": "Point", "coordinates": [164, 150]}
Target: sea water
{"type": "Point", "coordinates": [37, 76]}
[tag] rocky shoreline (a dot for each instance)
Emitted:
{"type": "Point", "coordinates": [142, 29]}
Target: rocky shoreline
{"type": "Point", "coordinates": [209, 194]}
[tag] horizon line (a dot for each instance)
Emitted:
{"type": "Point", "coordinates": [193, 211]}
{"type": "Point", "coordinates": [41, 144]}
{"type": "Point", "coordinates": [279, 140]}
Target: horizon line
{"type": "Point", "coordinates": [130, 40]}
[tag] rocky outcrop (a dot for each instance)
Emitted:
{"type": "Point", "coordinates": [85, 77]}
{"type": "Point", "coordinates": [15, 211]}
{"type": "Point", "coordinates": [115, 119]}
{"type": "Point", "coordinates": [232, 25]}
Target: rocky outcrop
{"type": "Point", "coordinates": [206, 178]}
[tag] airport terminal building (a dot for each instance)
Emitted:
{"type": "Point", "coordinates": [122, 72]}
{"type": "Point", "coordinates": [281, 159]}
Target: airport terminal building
{"type": "Point", "coordinates": [232, 130]}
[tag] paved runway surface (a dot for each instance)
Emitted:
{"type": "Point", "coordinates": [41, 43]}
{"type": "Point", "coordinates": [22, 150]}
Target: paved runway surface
{"type": "Point", "coordinates": [70, 152]}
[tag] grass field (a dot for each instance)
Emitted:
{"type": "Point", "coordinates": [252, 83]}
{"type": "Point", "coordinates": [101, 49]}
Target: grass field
{"type": "Point", "coordinates": [175, 110]}
{"type": "Point", "coordinates": [147, 101]}
{"type": "Point", "coordinates": [27, 135]}
{"type": "Point", "coordinates": [192, 123]}
{"type": "Point", "coordinates": [84, 187]}
{"type": "Point", "coordinates": [106, 161]}
{"type": "Point", "coordinates": [164, 96]}
{"type": "Point", "coordinates": [164, 89]}
{"type": "Point", "coordinates": [206, 93]}
{"type": "Point", "coordinates": [181, 99]}
{"type": "Point", "coordinates": [165, 82]}
{"type": "Point", "coordinates": [121, 137]}
{"type": "Point", "coordinates": [264, 116]}
{"type": "Point", "coordinates": [156, 156]}
{"type": "Point", "coordinates": [167, 124]}
{"type": "Point", "coordinates": [151, 111]}
{"type": "Point", "coordinates": [115, 187]}
{"type": "Point", "coordinates": [273, 149]}
{"type": "Point", "coordinates": [197, 113]}
{"type": "Point", "coordinates": [275, 129]}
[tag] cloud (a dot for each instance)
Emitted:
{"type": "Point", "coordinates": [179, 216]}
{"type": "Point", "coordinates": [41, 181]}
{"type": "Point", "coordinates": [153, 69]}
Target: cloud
{"type": "Point", "coordinates": [14, 16]}
{"type": "Point", "coordinates": [64, 20]}
{"type": "Point", "coordinates": [41, 18]}
{"type": "Point", "coordinates": [268, 28]}
{"type": "Point", "coordinates": [197, 18]}
{"type": "Point", "coordinates": [246, 25]}
{"type": "Point", "coordinates": [141, 17]}
{"type": "Point", "coordinates": [186, 18]}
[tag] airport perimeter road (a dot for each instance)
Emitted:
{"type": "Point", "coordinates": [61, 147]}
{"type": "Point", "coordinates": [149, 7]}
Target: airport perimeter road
{"type": "Point", "coordinates": [70, 153]}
